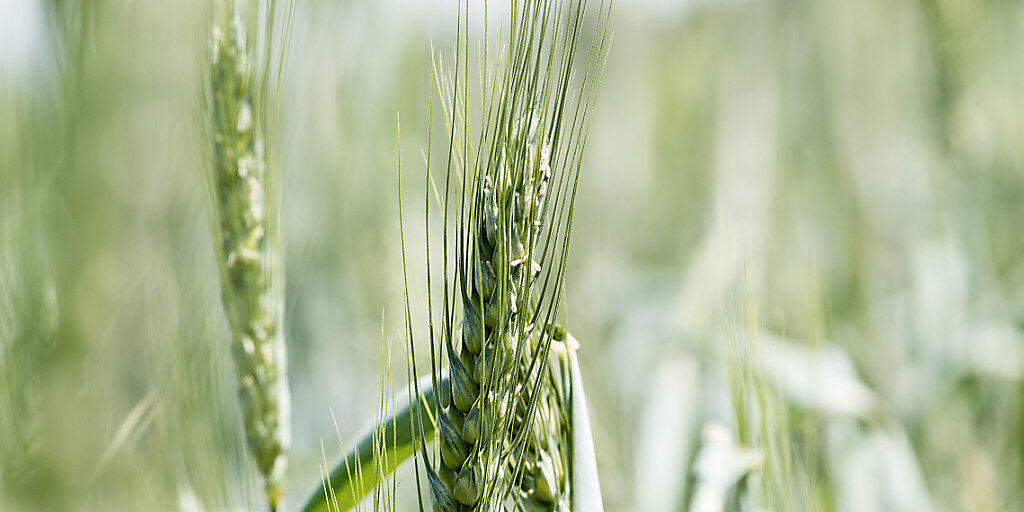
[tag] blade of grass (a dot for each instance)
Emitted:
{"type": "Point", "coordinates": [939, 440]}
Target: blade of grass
{"type": "Point", "coordinates": [586, 487]}
{"type": "Point", "coordinates": [355, 475]}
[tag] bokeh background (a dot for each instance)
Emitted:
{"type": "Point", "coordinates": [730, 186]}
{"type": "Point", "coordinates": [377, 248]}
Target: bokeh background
{"type": "Point", "coordinates": [796, 271]}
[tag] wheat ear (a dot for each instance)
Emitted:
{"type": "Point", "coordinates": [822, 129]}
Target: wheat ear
{"type": "Point", "coordinates": [504, 434]}
{"type": "Point", "coordinates": [248, 245]}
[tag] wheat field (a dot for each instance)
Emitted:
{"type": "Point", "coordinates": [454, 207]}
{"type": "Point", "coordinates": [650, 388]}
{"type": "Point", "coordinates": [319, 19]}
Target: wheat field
{"type": "Point", "coordinates": [778, 243]}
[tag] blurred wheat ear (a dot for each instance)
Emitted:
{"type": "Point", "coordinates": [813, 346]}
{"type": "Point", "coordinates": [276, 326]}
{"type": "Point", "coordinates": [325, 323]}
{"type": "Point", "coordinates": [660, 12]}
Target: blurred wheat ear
{"type": "Point", "coordinates": [244, 202]}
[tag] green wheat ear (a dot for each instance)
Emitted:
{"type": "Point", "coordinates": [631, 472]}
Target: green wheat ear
{"type": "Point", "coordinates": [504, 395]}
{"type": "Point", "coordinates": [244, 200]}
{"type": "Point", "coordinates": [505, 424]}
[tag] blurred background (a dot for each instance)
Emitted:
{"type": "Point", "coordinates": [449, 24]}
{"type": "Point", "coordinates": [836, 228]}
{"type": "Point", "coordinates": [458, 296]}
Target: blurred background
{"type": "Point", "coordinates": [796, 271]}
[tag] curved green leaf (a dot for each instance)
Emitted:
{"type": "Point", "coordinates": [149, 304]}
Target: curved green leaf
{"type": "Point", "coordinates": [354, 475]}
{"type": "Point", "coordinates": [586, 487]}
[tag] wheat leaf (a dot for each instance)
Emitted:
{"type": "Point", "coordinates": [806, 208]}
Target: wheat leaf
{"type": "Point", "coordinates": [586, 487]}
{"type": "Point", "coordinates": [354, 475]}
